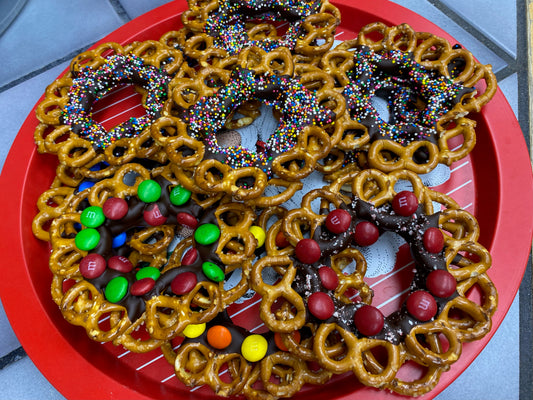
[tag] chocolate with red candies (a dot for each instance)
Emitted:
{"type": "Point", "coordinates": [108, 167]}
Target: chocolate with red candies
{"type": "Point", "coordinates": [426, 241]}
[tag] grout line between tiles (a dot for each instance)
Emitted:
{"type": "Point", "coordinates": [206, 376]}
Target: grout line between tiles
{"type": "Point", "coordinates": [120, 10]}
{"type": "Point", "coordinates": [525, 118]}
{"type": "Point", "coordinates": [474, 31]}
{"type": "Point", "coordinates": [12, 357]}
{"type": "Point", "coordinates": [505, 72]}
{"type": "Point", "coordinates": [45, 68]}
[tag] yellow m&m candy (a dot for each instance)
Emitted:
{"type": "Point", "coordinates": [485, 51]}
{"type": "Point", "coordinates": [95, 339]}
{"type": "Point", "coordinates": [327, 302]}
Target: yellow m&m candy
{"type": "Point", "coordinates": [194, 330]}
{"type": "Point", "coordinates": [254, 348]}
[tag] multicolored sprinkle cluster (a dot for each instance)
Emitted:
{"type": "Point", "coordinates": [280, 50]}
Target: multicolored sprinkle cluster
{"type": "Point", "coordinates": [91, 85]}
{"type": "Point", "coordinates": [417, 98]}
{"type": "Point", "coordinates": [227, 25]}
{"type": "Point", "coordinates": [298, 106]}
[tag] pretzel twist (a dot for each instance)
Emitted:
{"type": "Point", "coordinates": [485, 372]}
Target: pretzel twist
{"type": "Point", "coordinates": [166, 316]}
{"type": "Point", "coordinates": [290, 321]}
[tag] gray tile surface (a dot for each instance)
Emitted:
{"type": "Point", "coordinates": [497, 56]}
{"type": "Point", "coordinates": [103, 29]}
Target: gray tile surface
{"type": "Point", "coordinates": [134, 8]}
{"type": "Point", "coordinates": [40, 41]}
{"type": "Point", "coordinates": [494, 18]}
{"type": "Point", "coordinates": [41, 34]}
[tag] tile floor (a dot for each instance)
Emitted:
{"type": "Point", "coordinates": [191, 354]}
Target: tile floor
{"type": "Point", "coordinates": [43, 38]}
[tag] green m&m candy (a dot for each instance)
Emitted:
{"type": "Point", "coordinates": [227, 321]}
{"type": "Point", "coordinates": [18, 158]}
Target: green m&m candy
{"type": "Point", "coordinates": [206, 234]}
{"type": "Point", "coordinates": [149, 191]}
{"type": "Point", "coordinates": [148, 272]}
{"type": "Point", "coordinates": [179, 195]}
{"type": "Point", "coordinates": [213, 271]}
{"type": "Point", "coordinates": [92, 217]}
{"type": "Point", "coordinates": [116, 289]}
{"type": "Point", "coordinates": [87, 239]}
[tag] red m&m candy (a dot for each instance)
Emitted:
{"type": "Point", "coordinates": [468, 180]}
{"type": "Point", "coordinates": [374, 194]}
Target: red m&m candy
{"type": "Point", "coordinates": [366, 233]}
{"type": "Point", "coordinates": [321, 305]}
{"type": "Point", "coordinates": [190, 256]}
{"type": "Point", "coordinates": [183, 283]}
{"type": "Point", "coordinates": [405, 203]}
{"type": "Point", "coordinates": [92, 266]}
{"type": "Point", "coordinates": [115, 208]}
{"type": "Point", "coordinates": [142, 286]}
{"type": "Point", "coordinates": [152, 215]}
{"type": "Point", "coordinates": [307, 251]}
{"type": "Point", "coordinates": [421, 305]}
{"type": "Point", "coordinates": [186, 219]}
{"type": "Point", "coordinates": [368, 320]}
{"type": "Point", "coordinates": [120, 264]}
{"type": "Point", "coordinates": [441, 283]}
{"type": "Point", "coordinates": [338, 221]}
{"type": "Point", "coordinates": [328, 277]}
{"type": "Point", "coordinates": [433, 240]}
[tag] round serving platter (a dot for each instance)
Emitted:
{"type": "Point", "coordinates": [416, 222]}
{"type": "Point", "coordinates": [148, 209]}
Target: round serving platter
{"type": "Point", "coordinates": [492, 183]}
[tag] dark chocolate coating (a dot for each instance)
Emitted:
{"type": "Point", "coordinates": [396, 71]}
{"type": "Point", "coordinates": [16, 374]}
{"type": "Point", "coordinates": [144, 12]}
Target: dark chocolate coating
{"type": "Point", "coordinates": [135, 305]}
{"type": "Point", "coordinates": [238, 334]}
{"type": "Point", "coordinates": [411, 228]}
{"type": "Point", "coordinates": [398, 98]}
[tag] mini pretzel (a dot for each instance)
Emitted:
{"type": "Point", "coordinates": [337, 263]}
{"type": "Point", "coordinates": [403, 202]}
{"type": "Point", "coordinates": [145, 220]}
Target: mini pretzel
{"type": "Point", "coordinates": [52, 203]}
{"type": "Point", "coordinates": [319, 28]}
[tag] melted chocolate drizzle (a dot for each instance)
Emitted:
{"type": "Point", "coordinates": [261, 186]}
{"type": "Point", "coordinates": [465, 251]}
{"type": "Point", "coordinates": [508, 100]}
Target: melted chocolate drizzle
{"type": "Point", "coordinates": [135, 305]}
{"type": "Point", "coordinates": [411, 228]}
{"type": "Point", "coordinates": [395, 77]}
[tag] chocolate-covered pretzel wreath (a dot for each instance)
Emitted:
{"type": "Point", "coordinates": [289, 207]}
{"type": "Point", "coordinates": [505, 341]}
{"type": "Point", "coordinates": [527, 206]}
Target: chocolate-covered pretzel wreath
{"type": "Point", "coordinates": [235, 25]}
{"type": "Point", "coordinates": [116, 255]}
{"type": "Point", "coordinates": [67, 127]}
{"type": "Point", "coordinates": [427, 86]}
{"type": "Point", "coordinates": [257, 363]}
{"type": "Point", "coordinates": [448, 262]}
{"type": "Point", "coordinates": [290, 153]}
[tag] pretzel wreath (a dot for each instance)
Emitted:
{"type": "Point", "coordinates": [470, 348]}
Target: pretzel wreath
{"type": "Point", "coordinates": [429, 87]}
{"type": "Point", "coordinates": [448, 262]}
{"type": "Point", "coordinates": [198, 113]}
{"type": "Point", "coordinates": [117, 256]}
{"type": "Point", "coordinates": [258, 364]}
{"type": "Point", "coordinates": [66, 125]}
{"type": "Point", "coordinates": [240, 24]}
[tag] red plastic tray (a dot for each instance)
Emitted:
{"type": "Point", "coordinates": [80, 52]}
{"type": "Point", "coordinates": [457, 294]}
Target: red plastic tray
{"type": "Point", "coordinates": [495, 183]}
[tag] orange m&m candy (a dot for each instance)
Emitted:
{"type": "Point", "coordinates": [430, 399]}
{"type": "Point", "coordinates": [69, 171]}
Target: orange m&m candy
{"type": "Point", "coordinates": [219, 337]}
